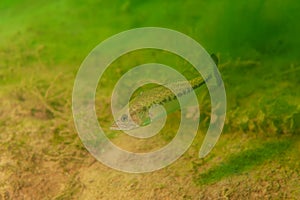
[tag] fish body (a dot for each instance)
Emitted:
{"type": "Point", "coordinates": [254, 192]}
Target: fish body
{"type": "Point", "coordinates": [136, 113]}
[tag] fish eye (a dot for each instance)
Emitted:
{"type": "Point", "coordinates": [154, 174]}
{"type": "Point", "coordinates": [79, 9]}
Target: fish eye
{"type": "Point", "coordinates": [124, 118]}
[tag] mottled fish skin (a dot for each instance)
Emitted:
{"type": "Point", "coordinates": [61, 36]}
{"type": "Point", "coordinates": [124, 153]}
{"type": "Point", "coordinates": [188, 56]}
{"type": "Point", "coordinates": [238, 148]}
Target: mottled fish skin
{"type": "Point", "coordinates": [138, 114]}
{"type": "Point", "coordinates": [140, 105]}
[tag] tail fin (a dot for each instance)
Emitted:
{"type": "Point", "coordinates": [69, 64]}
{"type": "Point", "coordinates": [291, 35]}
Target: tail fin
{"type": "Point", "coordinates": [215, 58]}
{"type": "Point", "coordinates": [217, 78]}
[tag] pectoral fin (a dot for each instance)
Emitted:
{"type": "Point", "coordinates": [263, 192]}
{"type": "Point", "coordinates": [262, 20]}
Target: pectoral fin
{"type": "Point", "coordinates": [144, 118]}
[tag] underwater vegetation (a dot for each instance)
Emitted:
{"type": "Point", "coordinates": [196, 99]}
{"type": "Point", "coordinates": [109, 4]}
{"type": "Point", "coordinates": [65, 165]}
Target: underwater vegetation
{"type": "Point", "coordinates": [42, 45]}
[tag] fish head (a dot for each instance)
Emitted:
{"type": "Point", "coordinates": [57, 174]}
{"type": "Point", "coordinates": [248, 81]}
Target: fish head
{"type": "Point", "coordinates": [124, 122]}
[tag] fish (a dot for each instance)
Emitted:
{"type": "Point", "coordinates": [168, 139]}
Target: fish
{"type": "Point", "coordinates": [137, 112]}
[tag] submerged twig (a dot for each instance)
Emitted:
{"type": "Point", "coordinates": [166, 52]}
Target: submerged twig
{"type": "Point", "coordinates": [44, 102]}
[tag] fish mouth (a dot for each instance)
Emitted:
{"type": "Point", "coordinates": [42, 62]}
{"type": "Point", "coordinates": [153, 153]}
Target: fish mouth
{"type": "Point", "coordinates": [115, 126]}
